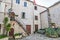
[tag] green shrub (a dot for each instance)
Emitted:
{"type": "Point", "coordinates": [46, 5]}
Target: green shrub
{"type": "Point", "coordinates": [58, 31]}
{"type": "Point", "coordinates": [2, 36]}
{"type": "Point", "coordinates": [50, 32]}
{"type": "Point", "coordinates": [17, 34]}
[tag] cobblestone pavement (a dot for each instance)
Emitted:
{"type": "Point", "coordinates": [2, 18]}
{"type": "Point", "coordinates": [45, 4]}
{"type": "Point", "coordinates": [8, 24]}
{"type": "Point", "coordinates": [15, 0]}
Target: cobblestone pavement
{"type": "Point", "coordinates": [38, 37]}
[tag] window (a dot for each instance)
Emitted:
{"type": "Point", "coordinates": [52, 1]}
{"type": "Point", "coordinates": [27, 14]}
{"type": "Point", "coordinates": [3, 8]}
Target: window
{"type": "Point", "coordinates": [0, 27]}
{"type": "Point", "coordinates": [23, 14]}
{"type": "Point", "coordinates": [9, 10]}
{"type": "Point", "coordinates": [36, 17]}
{"type": "Point", "coordinates": [35, 7]}
{"type": "Point", "coordinates": [25, 4]}
{"type": "Point", "coordinates": [36, 27]}
{"type": "Point", "coordinates": [18, 1]}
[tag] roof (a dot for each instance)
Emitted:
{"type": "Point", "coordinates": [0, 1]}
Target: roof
{"type": "Point", "coordinates": [55, 4]}
{"type": "Point", "coordinates": [37, 4]}
{"type": "Point", "coordinates": [51, 6]}
{"type": "Point", "coordinates": [43, 11]}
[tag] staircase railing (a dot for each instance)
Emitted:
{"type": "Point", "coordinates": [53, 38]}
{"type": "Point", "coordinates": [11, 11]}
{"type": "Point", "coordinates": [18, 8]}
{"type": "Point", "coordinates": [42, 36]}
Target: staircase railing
{"type": "Point", "coordinates": [21, 23]}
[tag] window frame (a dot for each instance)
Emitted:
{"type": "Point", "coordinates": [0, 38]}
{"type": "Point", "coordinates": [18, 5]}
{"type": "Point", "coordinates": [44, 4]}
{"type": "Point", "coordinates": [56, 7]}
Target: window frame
{"type": "Point", "coordinates": [18, 1]}
{"type": "Point", "coordinates": [35, 7]}
{"type": "Point", "coordinates": [25, 4]}
{"type": "Point", "coordinates": [0, 27]}
{"type": "Point", "coordinates": [36, 17]}
{"type": "Point", "coordinates": [23, 15]}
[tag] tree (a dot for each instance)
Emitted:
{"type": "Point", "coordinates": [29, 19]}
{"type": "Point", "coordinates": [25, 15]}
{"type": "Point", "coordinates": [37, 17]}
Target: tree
{"type": "Point", "coordinates": [7, 25]}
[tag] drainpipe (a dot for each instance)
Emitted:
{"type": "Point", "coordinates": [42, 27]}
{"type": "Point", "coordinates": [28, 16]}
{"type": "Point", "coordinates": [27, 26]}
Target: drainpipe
{"type": "Point", "coordinates": [40, 21]}
{"type": "Point", "coordinates": [4, 31]}
{"type": "Point", "coordinates": [34, 4]}
{"type": "Point", "coordinates": [11, 5]}
{"type": "Point", "coordinates": [33, 23]}
{"type": "Point", "coordinates": [49, 17]}
{"type": "Point", "coordinates": [33, 19]}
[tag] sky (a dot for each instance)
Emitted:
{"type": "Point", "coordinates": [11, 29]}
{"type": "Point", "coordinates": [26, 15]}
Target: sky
{"type": "Point", "coordinates": [46, 3]}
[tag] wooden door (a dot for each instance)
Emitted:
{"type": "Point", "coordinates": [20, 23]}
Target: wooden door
{"type": "Point", "coordinates": [11, 32]}
{"type": "Point", "coordinates": [36, 27]}
{"type": "Point", "coordinates": [28, 28]}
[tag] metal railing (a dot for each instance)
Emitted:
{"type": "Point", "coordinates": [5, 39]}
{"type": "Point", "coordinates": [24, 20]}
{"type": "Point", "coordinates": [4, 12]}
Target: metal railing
{"type": "Point", "coordinates": [21, 23]}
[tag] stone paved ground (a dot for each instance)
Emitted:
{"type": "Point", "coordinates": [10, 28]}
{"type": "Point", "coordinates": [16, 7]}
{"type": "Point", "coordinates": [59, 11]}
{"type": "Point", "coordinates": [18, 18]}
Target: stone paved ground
{"type": "Point", "coordinates": [38, 37]}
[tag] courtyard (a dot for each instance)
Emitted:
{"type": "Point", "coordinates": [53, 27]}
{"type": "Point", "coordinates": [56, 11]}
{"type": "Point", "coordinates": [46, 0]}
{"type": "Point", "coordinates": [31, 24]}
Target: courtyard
{"type": "Point", "coordinates": [39, 37]}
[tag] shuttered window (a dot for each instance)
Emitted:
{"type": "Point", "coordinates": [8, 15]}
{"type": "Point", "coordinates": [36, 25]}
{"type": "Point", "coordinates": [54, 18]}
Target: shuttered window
{"type": "Point", "coordinates": [18, 1]}
{"type": "Point", "coordinates": [25, 4]}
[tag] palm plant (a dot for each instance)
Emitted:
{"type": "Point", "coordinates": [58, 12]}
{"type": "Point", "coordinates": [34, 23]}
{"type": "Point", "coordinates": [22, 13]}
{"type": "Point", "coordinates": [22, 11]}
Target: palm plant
{"type": "Point", "coordinates": [6, 25]}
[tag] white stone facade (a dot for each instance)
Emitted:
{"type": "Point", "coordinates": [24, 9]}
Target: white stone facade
{"type": "Point", "coordinates": [54, 12]}
{"type": "Point", "coordinates": [30, 13]}
{"type": "Point", "coordinates": [2, 7]}
{"type": "Point", "coordinates": [44, 19]}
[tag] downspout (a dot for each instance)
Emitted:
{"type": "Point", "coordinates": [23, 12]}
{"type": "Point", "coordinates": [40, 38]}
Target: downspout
{"type": "Point", "coordinates": [34, 4]}
{"type": "Point", "coordinates": [33, 20]}
{"type": "Point", "coordinates": [49, 17]}
{"type": "Point", "coordinates": [40, 21]}
{"type": "Point", "coordinates": [11, 5]}
{"type": "Point", "coordinates": [4, 30]}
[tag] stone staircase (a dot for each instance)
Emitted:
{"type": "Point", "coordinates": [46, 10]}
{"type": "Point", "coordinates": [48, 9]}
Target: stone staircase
{"type": "Point", "coordinates": [21, 25]}
{"type": "Point", "coordinates": [18, 27]}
